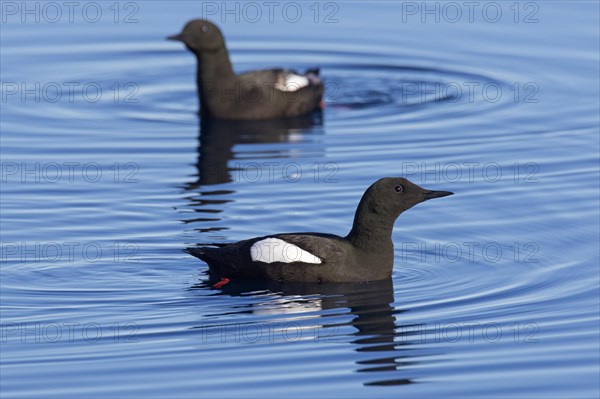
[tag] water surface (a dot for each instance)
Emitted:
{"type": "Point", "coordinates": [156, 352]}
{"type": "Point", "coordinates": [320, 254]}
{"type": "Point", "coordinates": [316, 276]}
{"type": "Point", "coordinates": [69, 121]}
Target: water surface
{"type": "Point", "coordinates": [494, 291]}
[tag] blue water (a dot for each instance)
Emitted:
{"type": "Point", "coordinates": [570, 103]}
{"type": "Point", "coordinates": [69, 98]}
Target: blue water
{"type": "Point", "coordinates": [107, 175]}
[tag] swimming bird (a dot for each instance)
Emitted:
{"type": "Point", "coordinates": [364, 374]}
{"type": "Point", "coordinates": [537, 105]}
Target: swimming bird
{"type": "Point", "coordinates": [261, 94]}
{"type": "Point", "coordinates": [365, 254]}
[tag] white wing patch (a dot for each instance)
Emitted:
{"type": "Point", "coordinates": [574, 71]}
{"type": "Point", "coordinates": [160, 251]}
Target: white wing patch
{"type": "Point", "coordinates": [271, 250]}
{"type": "Point", "coordinates": [291, 82]}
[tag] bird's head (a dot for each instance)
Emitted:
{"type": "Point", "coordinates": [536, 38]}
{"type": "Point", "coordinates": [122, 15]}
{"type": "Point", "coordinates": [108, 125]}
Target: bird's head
{"type": "Point", "coordinates": [390, 196]}
{"type": "Point", "coordinates": [200, 35]}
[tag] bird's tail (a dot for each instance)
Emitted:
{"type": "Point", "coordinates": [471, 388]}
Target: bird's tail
{"type": "Point", "coordinates": [203, 251]}
{"type": "Point", "coordinates": [312, 71]}
{"type": "Point", "coordinates": [218, 261]}
{"type": "Point", "coordinates": [197, 252]}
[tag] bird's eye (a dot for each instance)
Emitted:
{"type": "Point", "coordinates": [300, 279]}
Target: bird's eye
{"type": "Point", "coordinates": [204, 28]}
{"type": "Point", "coordinates": [399, 188]}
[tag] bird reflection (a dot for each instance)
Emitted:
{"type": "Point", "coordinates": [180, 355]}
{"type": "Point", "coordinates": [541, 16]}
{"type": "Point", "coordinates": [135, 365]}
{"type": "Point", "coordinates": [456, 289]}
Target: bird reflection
{"type": "Point", "coordinates": [385, 350]}
{"type": "Point", "coordinates": [217, 139]}
{"type": "Point", "coordinates": [217, 147]}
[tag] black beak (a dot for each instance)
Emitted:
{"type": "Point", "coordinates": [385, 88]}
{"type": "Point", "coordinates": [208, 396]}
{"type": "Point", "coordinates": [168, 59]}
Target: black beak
{"type": "Point", "coordinates": [427, 195]}
{"type": "Point", "coordinates": [178, 37]}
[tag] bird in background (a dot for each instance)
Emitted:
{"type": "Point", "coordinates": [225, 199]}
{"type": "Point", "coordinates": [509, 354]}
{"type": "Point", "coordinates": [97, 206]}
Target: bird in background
{"type": "Point", "coordinates": [261, 94]}
{"type": "Point", "coordinates": [365, 254]}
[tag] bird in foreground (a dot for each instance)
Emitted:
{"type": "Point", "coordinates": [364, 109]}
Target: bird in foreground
{"type": "Point", "coordinates": [261, 94]}
{"type": "Point", "coordinates": [365, 254]}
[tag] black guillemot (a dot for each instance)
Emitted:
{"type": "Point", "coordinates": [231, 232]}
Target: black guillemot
{"type": "Point", "coordinates": [255, 95]}
{"type": "Point", "coordinates": [365, 254]}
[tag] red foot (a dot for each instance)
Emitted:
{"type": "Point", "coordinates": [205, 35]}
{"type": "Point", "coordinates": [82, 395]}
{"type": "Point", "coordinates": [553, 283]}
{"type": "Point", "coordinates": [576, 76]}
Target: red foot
{"type": "Point", "coordinates": [322, 104]}
{"type": "Point", "coordinates": [224, 280]}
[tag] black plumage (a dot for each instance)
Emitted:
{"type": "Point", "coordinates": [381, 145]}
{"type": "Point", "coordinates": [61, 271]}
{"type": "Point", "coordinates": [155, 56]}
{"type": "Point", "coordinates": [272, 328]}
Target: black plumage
{"type": "Point", "coordinates": [255, 95]}
{"type": "Point", "coordinates": [365, 254]}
